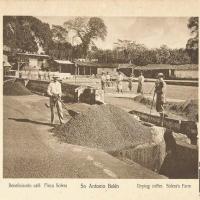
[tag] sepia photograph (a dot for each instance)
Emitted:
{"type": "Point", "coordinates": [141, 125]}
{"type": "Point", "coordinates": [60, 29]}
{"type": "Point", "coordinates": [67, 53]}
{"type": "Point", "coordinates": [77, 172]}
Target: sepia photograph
{"type": "Point", "coordinates": [96, 97]}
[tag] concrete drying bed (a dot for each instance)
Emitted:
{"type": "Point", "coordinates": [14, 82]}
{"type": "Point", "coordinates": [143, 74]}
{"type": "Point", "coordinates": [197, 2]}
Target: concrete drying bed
{"type": "Point", "coordinates": [31, 151]}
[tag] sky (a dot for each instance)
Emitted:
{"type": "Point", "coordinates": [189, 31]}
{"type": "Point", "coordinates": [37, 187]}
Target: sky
{"type": "Point", "coordinates": [150, 31]}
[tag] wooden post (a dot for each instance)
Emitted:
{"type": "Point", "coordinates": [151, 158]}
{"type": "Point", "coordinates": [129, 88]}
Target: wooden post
{"type": "Point", "coordinates": [76, 66]}
{"type": "Point", "coordinates": [90, 70]}
{"type": "Point", "coordinates": [170, 73]}
{"type": "Point", "coordinates": [18, 66]}
{"type": "Point", "coordinates": [84, 70]}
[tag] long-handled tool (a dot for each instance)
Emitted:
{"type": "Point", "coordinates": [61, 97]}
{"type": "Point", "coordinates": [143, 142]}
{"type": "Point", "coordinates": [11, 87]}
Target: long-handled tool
{"type": "Point", "coordinates": [150, 90]}
{"type": "Point", "coordinates": [163, 115]}
{"type": "Point", "coordinates": [152, 105]}
{"type": "Point", "coordinates": [152, 102]}
{"type": "Point", "coordinates": [72, 113]}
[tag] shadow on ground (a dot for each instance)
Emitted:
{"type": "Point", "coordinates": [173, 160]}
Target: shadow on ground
{"type": "Point", "coordinates": [31, 121]}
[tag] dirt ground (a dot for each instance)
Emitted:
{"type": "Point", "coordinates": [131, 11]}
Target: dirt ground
{"type": "Point", "coordinates": [173, 91]}
{"type": "Point", "coordinates": [31, 151]}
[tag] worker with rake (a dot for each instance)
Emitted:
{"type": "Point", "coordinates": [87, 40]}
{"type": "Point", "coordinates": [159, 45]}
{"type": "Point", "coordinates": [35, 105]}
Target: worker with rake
{"type": "Point", "coordinates": [160, 89]}
{"type": "Point", "coordinates": [54, 91]}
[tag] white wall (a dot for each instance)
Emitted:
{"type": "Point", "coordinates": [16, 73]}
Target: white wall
{"type": "Point", "coordinates": [33, 62]}
{"type": "Point", "coordinates": [186, 73]}
{"type": "Point", "coordinates": [110, 70]}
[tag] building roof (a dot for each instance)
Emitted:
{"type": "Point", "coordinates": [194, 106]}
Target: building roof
{"type": "Point", "coordinates": [127, 65]}
{"type": "Point", "coordinates": [6, 64]}
{"type": "Point", "coordinates": [97, 65]}
{"type": "Point", "coordinates": [34, 55]}
{"type": "Point", "coordinates": [64, 62]}
{"type": "Point", "coordinates": [167, 66]}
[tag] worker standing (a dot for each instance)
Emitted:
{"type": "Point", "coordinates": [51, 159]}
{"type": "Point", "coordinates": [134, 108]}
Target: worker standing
{"type": "Point", "coordinates": [130, 82]}
{"type": "Point", "coordinates": [39, 75]}
{"type": "Point", "coordinates": [103, 81]}
{"type": "Point", "coordinates": [119, 82]}
{"type": "Point", "coordinates": [108, 79]}
{"type": "Point", "coordinates": [55, 92]}
{"type": "Point", "coordinates": [160, 90]}
{"type": "Point", "coordinates": [140, 83]}
{"type": "Point", "coordinates": [49, 77]}
{"type": "Point", "coordinates": [45, 75]}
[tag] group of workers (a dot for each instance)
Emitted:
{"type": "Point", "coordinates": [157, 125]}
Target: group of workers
{"type": "Point", "coordinates": [44, 75]}
{"type": "Point", "coordinates": [40, 75]}
{"type": "Point", "coordinates": [159, 88]}
{"type": "Point", "coordinates": [54, 92]}
{"type": "Point", "coordinates": [106, 81]}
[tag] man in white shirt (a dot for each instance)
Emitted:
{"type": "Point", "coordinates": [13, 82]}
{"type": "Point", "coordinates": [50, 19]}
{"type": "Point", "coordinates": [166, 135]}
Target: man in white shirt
{"type": "Point", "coordinates": [140, 83]}
{"type": "Point", "coordinates": [54, 91]}
{"type": "Point", "coordinates": [160, 90]}
{"type": "Point", "coordinates": [119, 82]}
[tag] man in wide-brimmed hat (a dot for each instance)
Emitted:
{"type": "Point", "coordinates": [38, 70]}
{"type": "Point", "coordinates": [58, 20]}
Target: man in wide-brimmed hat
{"type": "Point", "coordinates": [160, 90]}
{"type": "Point", "coordinates": [54, 91]}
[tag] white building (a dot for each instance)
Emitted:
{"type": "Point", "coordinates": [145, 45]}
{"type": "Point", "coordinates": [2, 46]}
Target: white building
{"type": "Point", "coordinates": [30, 61]}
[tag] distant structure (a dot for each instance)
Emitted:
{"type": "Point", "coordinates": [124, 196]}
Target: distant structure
{"type": "Point", "coordinates": [6, 65]}
{"type": "Point", "coordinates": [34, 62]}
{"type": "Point", "coordinates": [187, 71]}
{"type": "Point", "coordinates": [30, 61]}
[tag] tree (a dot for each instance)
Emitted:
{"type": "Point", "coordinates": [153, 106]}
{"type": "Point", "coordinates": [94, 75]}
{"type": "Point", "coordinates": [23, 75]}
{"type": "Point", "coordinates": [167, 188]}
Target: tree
{"type": "Point", "coordinates": [59, 34]}
{"type": "Point", "coordinates": [122, 48]}
{"type": "Point", "coordinates": [178, 57]}
{"type": "Point", "coordinates": [87, 30]}
{"type": "Point", "coordinates": [26, 33]}
{"type": "Point", "coordinates": [162, 54]}
{"type": "Point", "coordinates": [192, 45]}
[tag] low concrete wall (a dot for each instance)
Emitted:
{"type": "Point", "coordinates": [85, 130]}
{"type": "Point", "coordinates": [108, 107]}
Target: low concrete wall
{"type": "Point", "coordinates": [71, 92]}
{"type": "Point", "coordinates": [149, 155]}
{"type": "Point", "coordinates": [38, 86]}
{"type": "Point", "coordinates": [168, 155]}
{"type": "Point", "coordinates": [188, 128]}
{"type": "Point", "coordinates": [175, 82]}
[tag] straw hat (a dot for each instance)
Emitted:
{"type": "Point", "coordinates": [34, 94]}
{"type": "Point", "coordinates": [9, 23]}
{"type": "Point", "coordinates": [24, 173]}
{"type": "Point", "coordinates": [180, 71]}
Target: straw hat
{"type": "Point", "coordinates": [55, 76]}
{"type": "Point", "coordinates": [160, 75]}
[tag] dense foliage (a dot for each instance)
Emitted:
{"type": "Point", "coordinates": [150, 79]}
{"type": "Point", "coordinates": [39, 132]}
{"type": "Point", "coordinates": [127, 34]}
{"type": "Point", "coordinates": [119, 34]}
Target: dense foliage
{"type": "Point", "coordinates": [86, 31]}
{"type": "Point", "coordinates": [193, 43]}
{"type": "Point", "coordinates": [140, 55]}
{"type": "Point", "coordinates": [76, 39]}
{"type": "Point", "coordinates": [26, 33]}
